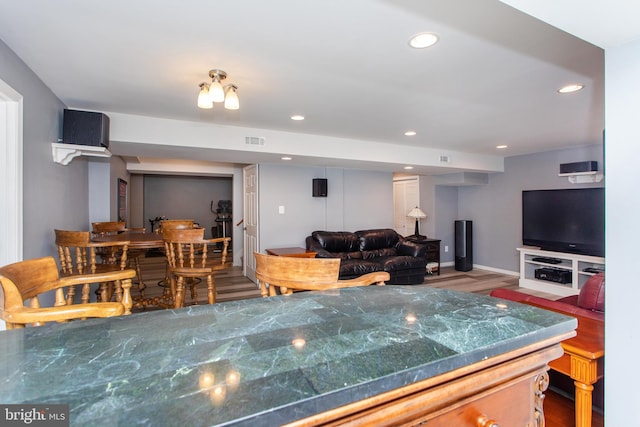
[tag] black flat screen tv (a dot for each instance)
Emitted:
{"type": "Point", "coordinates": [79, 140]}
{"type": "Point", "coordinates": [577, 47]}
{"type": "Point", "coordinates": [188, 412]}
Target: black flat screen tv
{"type": "Point", "coordinates": [570, 220]}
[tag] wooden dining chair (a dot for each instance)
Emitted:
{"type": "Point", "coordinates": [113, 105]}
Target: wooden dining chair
{"type": "Point", "coordinates": [190, 257]}
{"type": "Point", "coordinates": [181, 224]}
{"type": "Point", "coordinates": [288, 274]}
{"type": "Point", "coordinates": [78, 256]}
{"type": "Point", "coordinates": [26, 280]}
{"type": "Point", "coordinates": [107, 228]}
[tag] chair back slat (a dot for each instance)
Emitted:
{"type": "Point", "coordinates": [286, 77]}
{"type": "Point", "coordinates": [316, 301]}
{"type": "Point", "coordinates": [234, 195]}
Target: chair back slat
{"type": "Point", "coordinates": [313, 274]}
{"type": "Point", "coordinates": [108, 228]}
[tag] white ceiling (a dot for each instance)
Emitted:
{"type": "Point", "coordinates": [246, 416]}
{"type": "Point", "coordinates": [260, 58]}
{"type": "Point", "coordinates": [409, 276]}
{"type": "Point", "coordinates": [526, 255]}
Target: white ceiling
{"type": "Point", "coordinates": [345, 65]}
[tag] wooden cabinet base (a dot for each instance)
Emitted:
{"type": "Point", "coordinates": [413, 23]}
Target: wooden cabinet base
{"type": "Point", "coordinates": [507, 390]}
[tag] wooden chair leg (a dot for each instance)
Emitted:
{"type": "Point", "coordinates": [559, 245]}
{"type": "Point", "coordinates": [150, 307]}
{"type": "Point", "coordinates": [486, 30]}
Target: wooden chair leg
{"type": "Point", "coordinates": [118, 291]}
{"type": "Point", "coordinates": [141, 285]}
{"type": "Point", "coordinates": [211, 290]}
{"type": "Point", "coordinates": [86, 293]}
{"type": "Point", "coordinates": [194, 290]}
{"type": "Point", "coordinates": [179, 299]}
{"type": "Point", "coordinates": [71, 294]}
{"type": "Point", "coordinates": [102, 292]}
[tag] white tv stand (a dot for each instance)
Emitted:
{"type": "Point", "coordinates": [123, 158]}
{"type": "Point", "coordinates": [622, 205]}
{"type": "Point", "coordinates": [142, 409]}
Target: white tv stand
{"type": "Point", "coordinates": [569, 262]}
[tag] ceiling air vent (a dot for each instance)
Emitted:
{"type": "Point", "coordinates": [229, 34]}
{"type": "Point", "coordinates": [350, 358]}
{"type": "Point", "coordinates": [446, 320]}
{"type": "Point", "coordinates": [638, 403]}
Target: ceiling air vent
{"type": "Point", "coordinates": [254, 140]}
{"type": "Point", "coordinates": [445, 159]}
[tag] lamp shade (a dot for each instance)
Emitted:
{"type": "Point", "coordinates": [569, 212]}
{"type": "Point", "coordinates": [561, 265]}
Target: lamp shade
{"type": "Point", "coordinates": [216, 91]}
{"type": "Point", "coordinates": [204, 101]}
{"type": "Point", "coordinates": [416, 213]}
{"type": "Point", "coordinates": [231, 101]}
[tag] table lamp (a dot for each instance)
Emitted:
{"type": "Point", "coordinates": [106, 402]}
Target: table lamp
{"type": "Point", "coordinates": [418, 214]}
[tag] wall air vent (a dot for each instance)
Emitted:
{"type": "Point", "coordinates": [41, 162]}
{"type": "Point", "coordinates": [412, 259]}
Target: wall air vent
{"type": "Point", "coordinates": [254, 140]}
{"type": "Point", "coordinates": [445, 159]}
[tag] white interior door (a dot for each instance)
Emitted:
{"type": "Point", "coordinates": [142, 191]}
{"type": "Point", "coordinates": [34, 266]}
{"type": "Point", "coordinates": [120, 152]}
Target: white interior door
{"type": "Point", "coordinates": [406, 196]}
{"type": "Point", "coordinates": [251, 243]}
{"type": "Point", "coordinates": [11, 188]}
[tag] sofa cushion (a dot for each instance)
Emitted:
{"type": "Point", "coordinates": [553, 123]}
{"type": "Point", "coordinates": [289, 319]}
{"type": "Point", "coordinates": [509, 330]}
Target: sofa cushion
{"type": "Point", "coordinates": [399, 263]}
{"type": "Point", "coordinates": [377, 239]}
{"type": "Point", "coordinates": [377, 253]}
{"type": "Point", "coordinates": [346, 255]}
{"type": "Point", "coordinates": [591, 295]}
{"type": "Point", "coordinates": [354, 268]}
{"type": "Point", "coordinates": [337, 241]}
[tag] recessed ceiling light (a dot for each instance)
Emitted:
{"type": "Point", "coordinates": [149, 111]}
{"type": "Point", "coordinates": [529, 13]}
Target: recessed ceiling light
{"type": "Point", "coordinates": [570, 88]}
{"type": "Point", "coordinates": [408, 167]}
{"type": "Point", "coordinates": [410, 133]}
{"type": "Point", "coordinates": [500, 147]}
{"type": "Point", "coordinates": [422, 40]}
{"type": "Point", "coordinates": [297, 117]}
{"type": "Point", "coordinates": [286, 158]}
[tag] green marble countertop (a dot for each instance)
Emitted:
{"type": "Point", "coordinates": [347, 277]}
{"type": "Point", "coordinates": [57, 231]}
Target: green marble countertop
{"type": "Point", "coordinates": [260, 361]}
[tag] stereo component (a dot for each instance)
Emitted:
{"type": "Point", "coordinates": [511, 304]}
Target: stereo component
{"type": "Point", "coordinates": [553, 275]}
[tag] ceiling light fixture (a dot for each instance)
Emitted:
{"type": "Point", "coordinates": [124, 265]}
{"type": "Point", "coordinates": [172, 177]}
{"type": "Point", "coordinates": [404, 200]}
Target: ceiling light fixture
{"type": "Point", "coordinates": [216, 92]}
{"type": "Point", "coordinates": [423, 40]}
{"type": "Point", "coordinates": [297, 117]}
{"type": "Point", "coordinates": [408, 168]}
{"type": "Point", "coordinates": [501, 147]}
{"type": "Point", "coordinates": [286, 158]}
{"type": "Point", "coordinates": [571, 88]}
{"type": "Point", "coordinates": [410, 133]}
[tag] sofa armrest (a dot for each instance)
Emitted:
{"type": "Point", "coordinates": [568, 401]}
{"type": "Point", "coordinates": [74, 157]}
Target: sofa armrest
{"type": "Point", "coordinates": [563, 307]}
{"type": "Point", "coordinates": [313, 245]}
{"type": "Point", "coordinates": [407, 248]}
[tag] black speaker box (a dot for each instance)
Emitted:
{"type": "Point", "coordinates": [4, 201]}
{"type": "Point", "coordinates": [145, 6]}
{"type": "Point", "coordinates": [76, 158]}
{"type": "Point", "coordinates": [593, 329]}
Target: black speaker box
{"type": "Point", "coordinates": [464, 245]}
{"type": "Point", "coordinates": [319, 187]}
{"type": "Point", "coordinates": [589, 166]}
{"type": "Point", "coordinates": [85, 128]}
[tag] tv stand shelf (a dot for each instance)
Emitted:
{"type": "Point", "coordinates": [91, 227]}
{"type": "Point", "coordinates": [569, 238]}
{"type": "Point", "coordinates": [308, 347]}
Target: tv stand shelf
{"type": "Point", "coordinates": [574, 263]}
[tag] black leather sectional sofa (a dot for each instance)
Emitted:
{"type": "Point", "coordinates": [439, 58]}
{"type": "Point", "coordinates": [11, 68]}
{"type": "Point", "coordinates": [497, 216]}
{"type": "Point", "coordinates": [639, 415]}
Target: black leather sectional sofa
{"type": "Point", "coordinates": [367, 251]}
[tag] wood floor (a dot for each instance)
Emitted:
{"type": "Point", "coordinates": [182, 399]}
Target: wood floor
{"type": "Point", "coordinates": [232, 285]}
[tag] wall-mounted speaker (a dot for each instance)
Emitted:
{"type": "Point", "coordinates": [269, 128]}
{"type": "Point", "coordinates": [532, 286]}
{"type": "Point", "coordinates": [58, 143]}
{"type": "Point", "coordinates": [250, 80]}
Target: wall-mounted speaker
{"type": "Point", "coordinates": [319, 187]}
{"type": "Point", "coordinates": [578, 167]}
{"type": "Point", "coordinates": [85, 128]}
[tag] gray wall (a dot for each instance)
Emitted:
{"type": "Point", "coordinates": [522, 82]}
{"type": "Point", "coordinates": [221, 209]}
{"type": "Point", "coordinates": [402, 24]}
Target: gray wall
{"type": "Point", "coordinates": [185, 197]}
{"type": "Point", "coordinates": [355, 200]}
{"type": "Point", "coordinates": [496, 210]}
{"type": "Point", "coordinates": [55, 196]}
{"type": "Point", "coordinates": [446, 212]}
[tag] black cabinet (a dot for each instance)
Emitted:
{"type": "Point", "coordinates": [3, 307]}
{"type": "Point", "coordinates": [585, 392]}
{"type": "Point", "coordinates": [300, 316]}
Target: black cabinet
{"type": "Point", "coordinates": [433, 252]}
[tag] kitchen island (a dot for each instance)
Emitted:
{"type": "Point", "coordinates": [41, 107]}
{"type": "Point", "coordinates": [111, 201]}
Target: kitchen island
{"type": "Point", "coordinates": [371, 355]}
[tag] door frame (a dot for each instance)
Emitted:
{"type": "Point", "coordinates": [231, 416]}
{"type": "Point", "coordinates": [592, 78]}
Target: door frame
{"type": "Point", "coordinates": [11, 167]}
{"type": "Point", "coordinates": [251, 226]}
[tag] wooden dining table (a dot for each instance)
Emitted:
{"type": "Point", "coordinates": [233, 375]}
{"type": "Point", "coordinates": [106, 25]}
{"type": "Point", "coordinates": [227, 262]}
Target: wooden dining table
{"type": "Point", "coordinates": [141, 241]}
{"type": "Point", "coordinates": [136, 240]}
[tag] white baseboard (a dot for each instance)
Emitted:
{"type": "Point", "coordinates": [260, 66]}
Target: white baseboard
{"type": "Point", "coordinates": [484, 267]}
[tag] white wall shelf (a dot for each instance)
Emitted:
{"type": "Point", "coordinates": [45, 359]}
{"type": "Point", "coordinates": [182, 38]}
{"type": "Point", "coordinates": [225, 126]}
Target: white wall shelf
{"type": "Point", "coordinates": [583, 177]}
{"type": "Point", "coordinates": [65, 153]}
{"type": "Point", "coordinates": [574, 263]}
